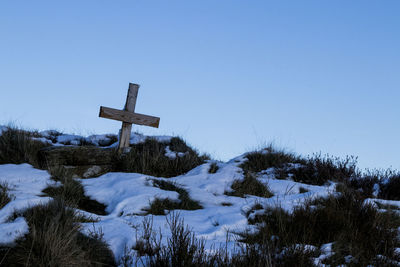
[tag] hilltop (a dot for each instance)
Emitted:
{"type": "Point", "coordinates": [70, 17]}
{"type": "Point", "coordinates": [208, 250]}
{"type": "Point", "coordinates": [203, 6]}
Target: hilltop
{"type": "Point", "coordinates": [70, 200]}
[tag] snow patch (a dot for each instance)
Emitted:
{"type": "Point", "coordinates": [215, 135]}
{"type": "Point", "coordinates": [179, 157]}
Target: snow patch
{"type": "Point", "coordinates": [137, 138]}
{"type": "Point", "coordinates": [10, 231]}
{"type": "Point", "coordinates": [172, 154]}
{"type": "Point", "coordinates": [25, 185]}
{"type": "Point", "coordinates": [372, 201]}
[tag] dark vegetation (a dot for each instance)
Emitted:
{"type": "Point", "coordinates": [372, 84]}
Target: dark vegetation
{"type": "Point", "coordinates": [384, 184]}
{"type": "Point", "coordinates": [302, 190]}
{"type": "Point", "coordinates": [184, 249]}
{"type": "Point", "coordinates": [4, 194]}
{"type": "Point", "coordinates": [357, 229]}
{"type": "Point", "coordinates": [315, 170]}
{"type": "Point", "coordinates": [390, 189]}
{"type": "Point", "coordinates": [72, 193]}
{"type": "Point", "coordinates": [17, 146]}
{"type": "Point", "coordinates": [320, 169]}
{"type": "Point", "coordinates": [269, 157]}
{"type": "Point", "coordinates": [354, 227]}
{"type": "Point", "coordinates": [149, 158]}
{"type": "Point", "coordinates": [54, 240]}
{"type": "Point", "coordinates": [380, 205]}
{"type": "Point", "coordinates": [213, 168]}
{"type": "Point", "coordinates": [249, 186]}
{"type": "Point", "coordinates": [159, 206]}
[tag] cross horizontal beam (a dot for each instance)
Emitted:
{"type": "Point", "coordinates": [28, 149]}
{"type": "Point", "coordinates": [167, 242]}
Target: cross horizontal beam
{"type": "Point", "coordinates": [129, 117]}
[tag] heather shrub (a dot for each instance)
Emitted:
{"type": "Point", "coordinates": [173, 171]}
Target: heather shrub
{"type": "Point", "coordinates": [249, 186]}
{"type": "Point", "coordinates": [18, 146]}
{"type": "Point", "coordinates": [356, 228]}
{"type": "Point", "coordinates": [150, 158]}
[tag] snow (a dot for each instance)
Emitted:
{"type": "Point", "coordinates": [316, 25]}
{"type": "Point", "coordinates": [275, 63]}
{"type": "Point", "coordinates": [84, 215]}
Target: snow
{"type": "Point", "coordinates": [376, 190]}
{"type": "Point", "coordinates": [10, 231]}
{"type": "Point", "coordinates": [99, 139]}
{"type": "Point", "coordinates": [127, 194]}
{"type": "Point", "coordinates": [124, 193]}
{"type": "Point", "coordinates": [42, 139]}
{"type": "Point", "coordinates": [103, 140]}
{"type": "Point", "coordinates": [172, 154]}
{"type": "Point", "coordinates": [71, 139]}
{"type": "Point", "coordinates": [137, 138]}
{"type": "Point", "coordinates": [68, 138]}
{"type": "Point", "coordinates": [373, 202]}
{"type": "Point", "coordinates": [26, 184]}
{"type": "Point", "coordinates": [49, 133]}
{"type": "Point", "coordinates": [326, 252]}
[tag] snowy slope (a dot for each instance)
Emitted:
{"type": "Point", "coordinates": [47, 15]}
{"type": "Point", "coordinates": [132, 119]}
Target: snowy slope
{"type": "Point", "coordinates": [26, 185]}
{"type": "Point", "coordinates": [126, 195]}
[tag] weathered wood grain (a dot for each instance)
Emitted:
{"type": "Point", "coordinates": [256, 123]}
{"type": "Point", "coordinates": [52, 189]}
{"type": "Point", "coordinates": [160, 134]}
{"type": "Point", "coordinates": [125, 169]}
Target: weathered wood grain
{"type": "Point", "coordinates": [130, 104]}
{"type": "Point", "coordinates": [125, 116]}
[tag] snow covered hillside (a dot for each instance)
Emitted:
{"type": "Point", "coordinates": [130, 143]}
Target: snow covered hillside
{"type": "Point", "coordinates": [222, 215]}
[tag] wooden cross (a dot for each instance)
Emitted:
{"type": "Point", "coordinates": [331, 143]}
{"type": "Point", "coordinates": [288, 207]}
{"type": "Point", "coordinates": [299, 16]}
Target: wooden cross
{"type": "Point", "coordinates": [128, 117]}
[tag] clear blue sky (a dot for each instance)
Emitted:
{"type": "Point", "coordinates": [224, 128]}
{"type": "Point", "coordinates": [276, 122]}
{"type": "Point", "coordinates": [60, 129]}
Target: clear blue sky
{"type": "Point", "coordinates": [227, 76]}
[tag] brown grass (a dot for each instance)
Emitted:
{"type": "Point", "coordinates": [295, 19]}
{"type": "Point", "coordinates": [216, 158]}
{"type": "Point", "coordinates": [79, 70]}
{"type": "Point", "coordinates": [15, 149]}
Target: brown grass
{"type": "Point", "coordinates": [149, 158]}
{"type": "Point", "coordinates": [249, 186]}
{"type": "Point", "coordinates": [269, 157]}
{"type": "Point", "coordinates": [17, 146]}
{"type": "Point", "coordinates": [72, 192]}
{"type": "Point", "coordinates": [54, 240]}
{"type": "Point", "coordinates": [5, 197]}
{"type": "Point", "coordinates": [159, 206]}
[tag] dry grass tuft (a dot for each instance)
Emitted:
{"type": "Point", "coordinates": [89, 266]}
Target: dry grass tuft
{"type": "Point", "coordinates": [72, 192]}
{"type": "Point", "coordinates": [249, 186]}
{"type": "Point", "coordinates": [17, 146]}
{"type": "Point", "coordinates": [54, 240]}
{"type": "Point", "coordinates": [213, 168]}
{"type": "Point", "coordinates": [315, 170]}
{"type": "Point", "coordinates": [159, 206]}
{"type": "Point", "coordinates": [5, 197]}
{"type": "Point", "coordinates": [149, 158]}
{"type": "Point", "coordinates": [269, 157]}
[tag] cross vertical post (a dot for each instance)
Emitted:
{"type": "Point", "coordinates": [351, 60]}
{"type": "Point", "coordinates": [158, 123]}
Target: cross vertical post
{"type": "Point", "coordinates": [130, 105]}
